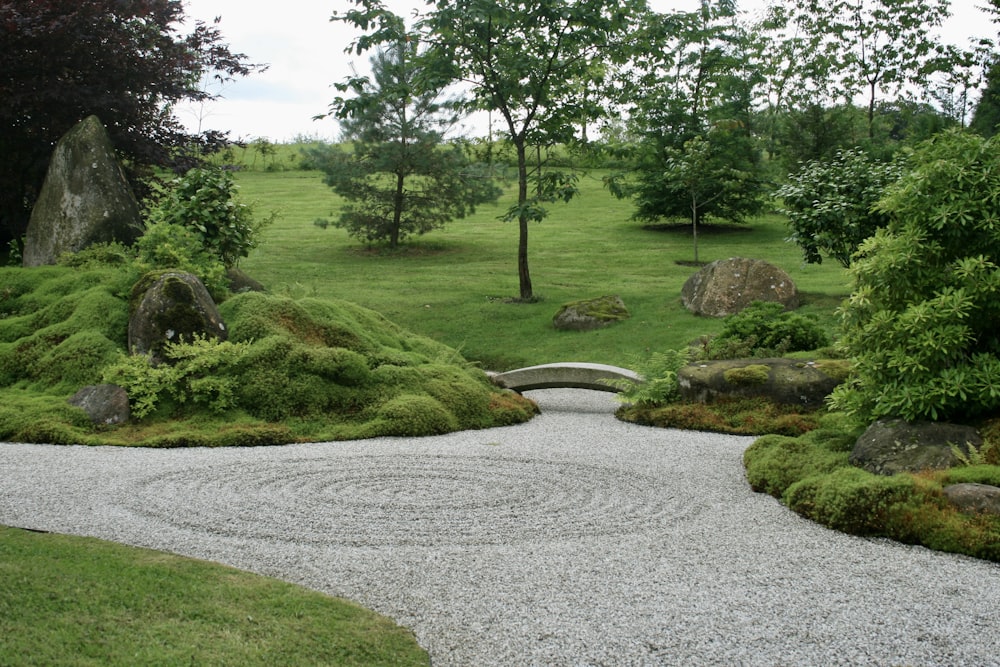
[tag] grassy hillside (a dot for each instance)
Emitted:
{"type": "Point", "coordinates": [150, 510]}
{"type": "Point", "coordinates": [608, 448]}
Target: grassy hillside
{"type": "Point", "coordinates": [454, 284]}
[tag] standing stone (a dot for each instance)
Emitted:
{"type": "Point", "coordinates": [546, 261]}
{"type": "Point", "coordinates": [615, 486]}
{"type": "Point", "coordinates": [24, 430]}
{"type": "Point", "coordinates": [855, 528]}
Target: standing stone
{"type": "Point", "coordinates": [85, 198]}
{"type": "Point", "coordinates": [171, 307]}
{"type": "Point", "coordinates": [727, 286]}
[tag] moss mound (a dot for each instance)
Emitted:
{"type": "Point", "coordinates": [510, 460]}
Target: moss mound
{"type": "Point", "coordinates": [812, 476]}
{"type": "Point", "coordinates": [301, 370]}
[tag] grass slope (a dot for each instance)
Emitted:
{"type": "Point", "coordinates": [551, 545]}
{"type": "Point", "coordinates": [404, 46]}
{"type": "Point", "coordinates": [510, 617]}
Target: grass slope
{"type": "Point", "coordinates": [79, 601]}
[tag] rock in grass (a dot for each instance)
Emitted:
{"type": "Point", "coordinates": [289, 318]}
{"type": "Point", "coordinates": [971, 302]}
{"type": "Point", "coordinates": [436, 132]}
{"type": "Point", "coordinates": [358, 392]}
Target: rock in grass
{"type": "Point", "coordinates": [590, 314]}
{"type": "Point", "coordinates": [892, 446]}
{"type": "Point", "coordinates": [727, 286]}
{"type": "Point", "coordinates": [85, 198]}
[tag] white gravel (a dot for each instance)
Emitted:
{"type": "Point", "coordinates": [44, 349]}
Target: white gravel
{"type": "Point", "coordinates": [574, 539]}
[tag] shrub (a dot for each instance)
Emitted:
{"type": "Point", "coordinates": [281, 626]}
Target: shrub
{"type": "Point", "coordinates": [204, 200]}
{"type": "Point", "coordinates": [166, 245]}
{"type": "Point", "coordinates": [201, 372]}
{"type": "Point", "coordinates": [416, 415]}
{"type": "Point", "coordinates": [921, 322]}
{"type": "Point", "coordinates": [830, 203]}
{"type": "Point", "coordinates": [765, 329]}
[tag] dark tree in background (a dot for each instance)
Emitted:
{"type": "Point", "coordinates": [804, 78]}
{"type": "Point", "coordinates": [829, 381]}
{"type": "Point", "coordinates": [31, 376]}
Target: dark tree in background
{"type": "Point", "coordinates": [126, 62]}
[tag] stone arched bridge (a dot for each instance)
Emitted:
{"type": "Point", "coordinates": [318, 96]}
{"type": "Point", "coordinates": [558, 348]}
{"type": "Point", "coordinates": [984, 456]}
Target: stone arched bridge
{"type": "Point", "coordinates": [569, 374]}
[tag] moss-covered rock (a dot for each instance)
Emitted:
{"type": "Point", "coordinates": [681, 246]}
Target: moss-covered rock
{"type": "Point", "coordinates": [590, 314]}
{"type": "Point", "coordinates": [784, 381]}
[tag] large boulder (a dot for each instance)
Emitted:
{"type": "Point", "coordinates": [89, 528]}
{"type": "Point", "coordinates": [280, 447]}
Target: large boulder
{"type": "Point", "coordinates": [169, 307]}
{"type": "Point", "coordinates": [590, 314]}
{"type": "Point", "coordinates": [783, 381]}
{"type": "Point", "coordinates": [85, 198]}
{"type": "Point", "coordinates": [727, 286]}
{"type": "Point", "coordinates": [891, 446]}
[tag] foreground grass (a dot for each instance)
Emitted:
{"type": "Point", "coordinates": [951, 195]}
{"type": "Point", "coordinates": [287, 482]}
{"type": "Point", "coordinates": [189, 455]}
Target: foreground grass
{"type": "Point", "coordinates": [454, 284]}
{"type": "Point", "coordinates": [80, 601]}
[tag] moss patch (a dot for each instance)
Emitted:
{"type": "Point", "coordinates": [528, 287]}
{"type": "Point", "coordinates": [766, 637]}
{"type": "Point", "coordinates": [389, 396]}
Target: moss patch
{"type": "Point", "coordinates": [309, 369]}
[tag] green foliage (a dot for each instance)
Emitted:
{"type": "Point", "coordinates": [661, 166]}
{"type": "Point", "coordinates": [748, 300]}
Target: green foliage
{"type": "Point", "coordinates": [764, 329]}
{"type": "Point", "coordinates": [205, 201]}
{"type": "Point", "coordinates": [416, 415]}
{"type": "Point", "coordinates": [202, 372]}
{"type": "Point", "coordinates": [811, 474]}
{"type": "Point", "coordinates": [830, 203]}
{"type": "Point", "coordinates": [659, 379]}
{"type": "Point", "coordinates": [401, 178]}
{"type": "Point", "coordinates": [166, 245]}
{"type": "Point", "coordinates": [921, 324]}
{"type": "Point", "coordinates": [970, 455]}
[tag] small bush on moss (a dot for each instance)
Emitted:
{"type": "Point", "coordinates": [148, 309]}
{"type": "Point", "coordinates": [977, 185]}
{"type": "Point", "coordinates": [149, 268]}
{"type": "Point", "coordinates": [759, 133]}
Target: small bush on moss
{"type": "Point", "coordinates": [659, 379]}
{"type": "Point", "coordinates": [764, 329]}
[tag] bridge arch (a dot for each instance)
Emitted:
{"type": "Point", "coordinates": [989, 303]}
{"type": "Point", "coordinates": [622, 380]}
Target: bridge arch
{"type": "Point", "coordinates": [567, 374]}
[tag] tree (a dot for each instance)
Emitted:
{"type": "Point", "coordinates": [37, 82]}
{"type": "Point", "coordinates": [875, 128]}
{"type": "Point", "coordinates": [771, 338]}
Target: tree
{"type": "Point", "coordinates": [921, 324]}
{"type": "Point", "coordinates": [697, 156]}
{"type": "Point", "coordinates": [400, 178]}
{"type": "Point", "coordinates": [62, 60]}
{"type": "Point", "coordinates": [866, 47]}
{"type": "Point", "coordinates": [527, 61]}
{"type": "Point", "coordinates": [829, 204]}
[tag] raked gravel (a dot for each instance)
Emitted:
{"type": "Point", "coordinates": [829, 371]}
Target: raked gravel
{"type": "Point", "coordinates": [574, 539]}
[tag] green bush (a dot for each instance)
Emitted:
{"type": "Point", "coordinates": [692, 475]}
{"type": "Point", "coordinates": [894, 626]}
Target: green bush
{"type": "Point", "coordinates": [166, 245]}
{"type": "Point", "coordinates": [774, 462]}
{"type": "Point", "coordinates": [765, 329]}
{"type": "Point", "coordinates": [204, 200]}
{"type": "Point", "coordinates": [921, 323]}
{"type": "Point", "coordinates": [416, 415]}
{"type": "Point", "coordinates": [829, 204]}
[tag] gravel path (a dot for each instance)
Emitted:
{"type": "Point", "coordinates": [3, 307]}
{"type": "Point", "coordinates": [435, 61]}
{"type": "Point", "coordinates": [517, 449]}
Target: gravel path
{"type": "Point", "coordinates": [574, 539]}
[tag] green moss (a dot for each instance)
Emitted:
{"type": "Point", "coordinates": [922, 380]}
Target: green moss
{"type": "Point", "coordinates": [416, 415]}
{"type": "Point", "coordinates": [748, 375]}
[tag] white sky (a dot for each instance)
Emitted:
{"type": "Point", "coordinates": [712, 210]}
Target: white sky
{"type": "Point", "coordinates": [305, 51]}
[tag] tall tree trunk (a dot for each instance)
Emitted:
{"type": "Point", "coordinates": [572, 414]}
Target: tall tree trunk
{"type": "Point", "coordinates": [397, 211]}
{"type": "Point", "coordinates": [524, 278]}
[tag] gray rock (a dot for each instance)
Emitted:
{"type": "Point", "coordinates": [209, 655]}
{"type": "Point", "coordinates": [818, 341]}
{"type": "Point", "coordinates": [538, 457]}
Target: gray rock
{"type": "Point", "coordinates": [981, 498]}
{"type": "Point", "coordinates": [783, 381]}
{"type": "Point", "coordinates": [168, 307]}
{"type": "Point", "coordinates": [240, 282]}
{"type": "Point", "coordinates": [85, 198]}
{"type": "Point", "coordinates": [103, 403]}
{"type": "Point", "coordinates": [590, 314]}
{"type": "Point", "coordinates": [727, 286]}
{"type": "Point", "coordinates": [892, 446]}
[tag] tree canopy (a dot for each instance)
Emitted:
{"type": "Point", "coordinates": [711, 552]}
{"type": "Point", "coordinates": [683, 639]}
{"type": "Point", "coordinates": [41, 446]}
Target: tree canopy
{"type": "Point", "coordinates": [125, 62]}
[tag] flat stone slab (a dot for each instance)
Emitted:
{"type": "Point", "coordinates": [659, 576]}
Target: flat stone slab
{"type": "Point", "coordinates": [571, 375]}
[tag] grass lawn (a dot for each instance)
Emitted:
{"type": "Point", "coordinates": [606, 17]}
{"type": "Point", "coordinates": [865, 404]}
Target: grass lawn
{"type": "Point", "coordinates": [454, 284]}
{"type": "Point", "coordinates": [79, 601]}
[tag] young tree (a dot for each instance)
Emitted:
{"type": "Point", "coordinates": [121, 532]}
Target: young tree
{"type": "Point", "coordinates": [125, 62]}
{"type": "Point", "coordinates": [400, 178]}
{"type": "Point", "coordinates": [693, 112]}
{"type": "Point", "coordinates": [527, 61]}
